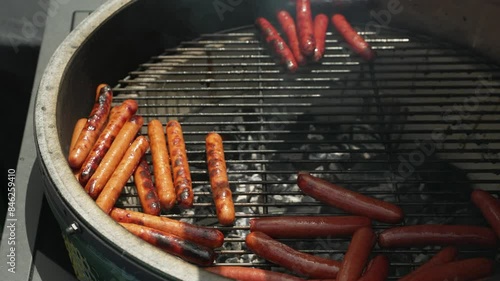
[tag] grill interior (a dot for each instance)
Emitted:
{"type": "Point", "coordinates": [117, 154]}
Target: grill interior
{"type": "Point", "coordinates": [419, 127]}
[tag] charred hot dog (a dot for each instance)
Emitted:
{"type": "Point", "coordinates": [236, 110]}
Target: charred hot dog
{"type": "Point", "coordinates": [146, 190]}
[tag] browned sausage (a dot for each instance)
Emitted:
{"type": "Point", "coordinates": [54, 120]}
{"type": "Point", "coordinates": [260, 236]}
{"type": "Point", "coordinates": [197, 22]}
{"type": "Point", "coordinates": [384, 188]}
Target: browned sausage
{"type": "Point", "coordinates": [117, 118]}
{"type": "Point", "coordinates": [434, 234]}
{"type": "Point", "coordinates": [377, 269]}
{"type": "Point", "coordinates": [146, 190]}
{"type": "Point", "coordinates": [76, 132]}
{"type": "Point", "coordinates": [221, 192]}
{"type": "Point", "coordinates": [489, 206]}
{"type": "Point", "coordinates": [172, 244]}
{"type": "Point", "coordinates": [96, 121]}
{"type": "Point", "coordinates": [121, 175]}
{"type": "Point", "coordinates": [305, 27]}
{"type": "Point", "coordinates": [357, 254]}
{"type": "Point", "coordinates": [112, 158]}
{"type": "Point", "coordinates": [463, 270]}
{"type": "Point", "coordinates": [320, 28]}
{"type": "Point", "coordinates": [74, 138]}
{"type": "Point", "coordinates": [309, 226]}
{"type": "Point", "coordinates": [349, 201]}
{"type": "Point", "coordinates": [355, 41]}
{"type": "Point", "coordinates": [277, 44]}
{"type": "Point", "coordinates": [241, 273]}
{"type": "Point", "coordinates": [446, 255]}
{"type": "Point", "coordinates": [180, 165]}
{"type": "Point", "coordinates": [288, 26]}
{"type": "Point", "coordinates": [298, 262]}
{"type": "Point", "coordinates": [206, 236]}
{"type": "Point", "coordinates": [161, 165]}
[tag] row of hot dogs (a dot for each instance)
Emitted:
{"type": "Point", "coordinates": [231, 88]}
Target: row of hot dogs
{"type": "Point", "coordinates": [306, 37]}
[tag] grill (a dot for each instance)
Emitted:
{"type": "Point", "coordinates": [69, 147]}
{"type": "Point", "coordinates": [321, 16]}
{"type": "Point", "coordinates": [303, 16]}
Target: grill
{"type": "Point", "coordinates": [419, 127]}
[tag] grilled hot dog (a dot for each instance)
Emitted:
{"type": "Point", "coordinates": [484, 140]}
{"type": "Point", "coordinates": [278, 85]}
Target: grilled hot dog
{"type": "Point", "coordinates": [146, 190]}
{"type": "Point", "coordinates": [161, 165]}
{"type": "Point", "coordinates": [348, 200]}
{"type": "Point", "coordinates": [221, 192]}
{"type": "Point", "coordinates": [308, 226]}
{"type": "Point", "coordinates": [377, 269]}
{"type": "Point", "coordinates": [463, 270]}
{"type": "Point", "coordinates": [444, 256]}
{"type": "Point", "coordinates": [277, 44]}
{"type": "Point", "coordinates": [490, 208]}
{"type": "Point", "coordinates": [298, 262]}
{"type": "Point", "coordinates": [320, 28]}
{"type": "Point", "coordinates": [357, 255]}
{"type": "Point", "coordinates": [305, 27]}
{"type": "Point", "coordinates": [180, 165]}
{"type": "Point", "coordinates": [355, 41]}
{"type": "Point", "coordinates": [123, 172]}
{"type": "Point", "coordinates": [205, 236]}
{"type": "Point", "coordinates": [95, 123]}
{"type": "Point", "coordinates": [433, 234]}
{"type": "Point", "coordinates": [241, 273]}
{"type": "Point", "coordinates": [172, 244]}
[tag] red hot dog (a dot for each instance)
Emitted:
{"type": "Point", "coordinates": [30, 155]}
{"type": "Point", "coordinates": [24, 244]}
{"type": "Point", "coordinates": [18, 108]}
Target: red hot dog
{"type": "Point", "coordinates": [348, 200]}
{"type": "Point", "coordinates": [377, 269]}
{"type": "Point", "coordinates": [490, 208]}
{"type": "Point", "coordinates": [277, 44]}
{"type": "Point", "coordinates": [241, 273]}
{"type": "Point", "coordinates": [463, 270]}
{"type": "Point", "coordinates": [298, 262]}
{"type": "Point", "coordinates": [320, 28]}
{"type": "Point", "coordinates": [444, 256]}
{"type": "Point", "coordinates": [288, 25]}
{"type": "Point", "coordinates": [355, 41]}
{"type": "Point", "coordinates": [433, 234]}
{"type": "Point", "coordinates": [309, 226]}
{"type": "Point", "coordinates": [357, 255]}
{"type": "Point", "coordinates": [305, 27]}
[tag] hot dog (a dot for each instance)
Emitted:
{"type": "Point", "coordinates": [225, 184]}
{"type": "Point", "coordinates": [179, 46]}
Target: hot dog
{"type": "Point", "coordinates": [355, 41]}
{"type": "Point", "coordinates": [320, 27]}
{"type": "Point", "coordinates": [172, 244]}
{"type": "Point", "coordinates": [433, 234]}
{"type": "Point", "coordinates": [298, 262]}
{"type": "Point", "coordinates": [288, 26]}
{"type": "Point", "coordinates": [112, 158]}
{"type": "Point", "coordinates": [146, 190]}
{"type": "Point", "coordinates": [357, 254]}
{"type": "Point", "coordinates": [123, 172]}
{"type": "Point", "coordinates": [241, 273]}
{"type": "Point", "coordinates": [305, 27]}
{"type": "Point", "coordinates": [117, 118]}
{"type": "Point", "coordinates": [444, 256]}
{"type": "Point", "coordinates": [219, 182]}
{"type": "Point", "coordinates": [180, 165]}
{"type": "Point", "coordinates": [349, 201]}
{"type": "Point", "coordinates": [277, 44]}
{"type": "Point", "coordinates": [96, 121]}
{"type": "Point", "coordinates": [463, 270]}
{"type": "Point", "coordinates": [161, 165]}
{"type": "Point", "coordinates": [308, 226]}
{"type": "Point", "coordinates": [205, 236]}
{"type": "Point", "coordinates": [74, 138]}
{"type": "Point", "coordinates": [377, 269]}
{"type": "Point", "coordinates": [490, 208]}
